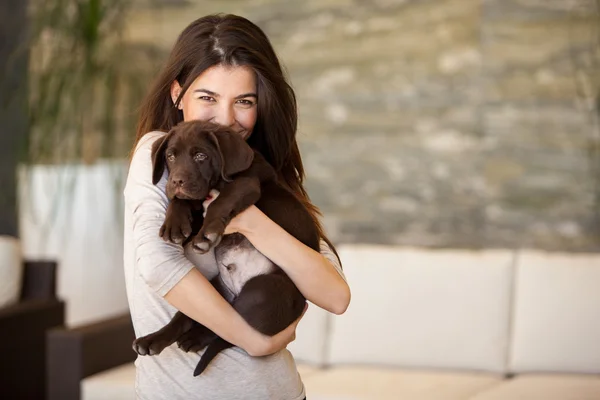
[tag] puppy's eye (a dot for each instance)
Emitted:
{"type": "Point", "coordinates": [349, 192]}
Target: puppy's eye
{"type": "Point", "coordinates": [230, 267]}
{"type": "Point", "coordinates": [200, 157]}
{"type": "Point", "coordinates": [171, 157]}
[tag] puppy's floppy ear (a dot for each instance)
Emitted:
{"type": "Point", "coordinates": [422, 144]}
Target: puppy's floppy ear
{"type": "Point", "coordinates": [158, 156]}
{"type": "Point", "coordinates": [236, 154]}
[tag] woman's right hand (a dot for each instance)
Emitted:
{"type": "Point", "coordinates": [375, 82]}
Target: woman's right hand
{"type": "Point", "coordinates": [272, 344]}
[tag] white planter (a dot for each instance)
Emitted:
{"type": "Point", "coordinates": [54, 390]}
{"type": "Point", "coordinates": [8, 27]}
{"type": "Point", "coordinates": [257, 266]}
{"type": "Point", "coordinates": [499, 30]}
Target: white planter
{"type": "Point", "coordinates": [73, 214]}
{"type": "Point", "coordinates": [11, 270]}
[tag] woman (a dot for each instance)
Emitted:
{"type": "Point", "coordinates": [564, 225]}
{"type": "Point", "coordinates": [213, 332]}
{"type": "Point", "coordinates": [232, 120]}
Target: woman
{"type": "Point", "coordinates": [222, 69]}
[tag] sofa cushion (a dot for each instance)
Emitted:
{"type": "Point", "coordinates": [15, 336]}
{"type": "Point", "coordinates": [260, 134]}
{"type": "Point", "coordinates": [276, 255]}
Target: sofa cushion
{"type": "Point", "coordinates": [546, 387]}
{"type": "Point", "coordinates": [353, 383]}
{"type": "Point", "coordinates": [119, 383]}
{"type": "Point", "coordinates": [424, 308]}
{"type": "Point", "coordinates": [556, 313]}
{"type": "Point", "coordinates": [114, 384]}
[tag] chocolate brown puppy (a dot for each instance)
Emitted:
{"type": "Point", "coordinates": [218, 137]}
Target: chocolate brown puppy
{"type": "Point", "coordinates": [201, 157]}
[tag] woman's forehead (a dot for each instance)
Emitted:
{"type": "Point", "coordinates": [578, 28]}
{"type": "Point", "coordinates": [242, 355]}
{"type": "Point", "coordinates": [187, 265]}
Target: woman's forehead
{"type": "Point", "coordinates": [227, 81]}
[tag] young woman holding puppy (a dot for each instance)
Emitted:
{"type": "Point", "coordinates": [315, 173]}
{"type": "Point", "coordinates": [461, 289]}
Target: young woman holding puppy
{"type": "Point", "coordinates": [221, 69]}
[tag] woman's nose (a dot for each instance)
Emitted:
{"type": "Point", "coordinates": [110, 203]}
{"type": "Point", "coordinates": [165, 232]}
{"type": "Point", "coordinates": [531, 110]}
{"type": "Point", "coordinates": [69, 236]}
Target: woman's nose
{"type": "Point", "coordinates": [225, 115]}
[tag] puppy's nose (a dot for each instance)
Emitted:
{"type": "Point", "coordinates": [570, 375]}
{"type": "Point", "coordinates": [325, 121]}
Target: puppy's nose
{"type": "Point", "coordinates": [177, 181]}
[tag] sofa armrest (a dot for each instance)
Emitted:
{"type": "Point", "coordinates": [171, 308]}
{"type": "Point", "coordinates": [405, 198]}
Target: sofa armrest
{"type": "Point", "coordinates": [73, 354]}
{"type": "Point", "coordinates": [26, 312]}
{"type": "Point", "coordinates": [22, 346]}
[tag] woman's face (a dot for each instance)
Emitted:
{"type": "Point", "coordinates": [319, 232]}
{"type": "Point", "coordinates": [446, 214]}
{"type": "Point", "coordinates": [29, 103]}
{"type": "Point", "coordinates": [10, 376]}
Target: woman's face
{"type": "Point", "coordinates": [222, 94]}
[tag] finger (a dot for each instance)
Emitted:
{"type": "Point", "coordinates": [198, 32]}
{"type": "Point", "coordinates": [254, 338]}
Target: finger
{"type": "Point", "coordinates": [290, 338]}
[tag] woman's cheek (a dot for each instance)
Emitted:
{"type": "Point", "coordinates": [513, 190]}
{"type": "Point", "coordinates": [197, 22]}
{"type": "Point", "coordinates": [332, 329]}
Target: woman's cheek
{"type": "Point", "coordinates": [248, 118]}
{"type": "Point", "coordinates": [196, 113]}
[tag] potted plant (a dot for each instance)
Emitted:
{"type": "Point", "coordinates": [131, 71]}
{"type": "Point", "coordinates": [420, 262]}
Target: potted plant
{"type": "Point", "coordinates": [85, 83]}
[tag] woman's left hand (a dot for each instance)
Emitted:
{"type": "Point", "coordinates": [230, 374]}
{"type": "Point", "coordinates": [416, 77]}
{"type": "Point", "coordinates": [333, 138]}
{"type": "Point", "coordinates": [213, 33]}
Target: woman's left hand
{"type": "Point", "coordinates": [243, 222]}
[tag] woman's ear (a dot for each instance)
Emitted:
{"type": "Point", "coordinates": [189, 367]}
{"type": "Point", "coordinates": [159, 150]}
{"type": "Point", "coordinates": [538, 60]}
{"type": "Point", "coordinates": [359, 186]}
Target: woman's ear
{"type": "Point", "coordinates": [175, 93]}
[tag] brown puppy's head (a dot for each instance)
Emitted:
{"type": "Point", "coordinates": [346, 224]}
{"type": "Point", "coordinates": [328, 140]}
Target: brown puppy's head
{"type": "Point", "coordinates": [197, 155]}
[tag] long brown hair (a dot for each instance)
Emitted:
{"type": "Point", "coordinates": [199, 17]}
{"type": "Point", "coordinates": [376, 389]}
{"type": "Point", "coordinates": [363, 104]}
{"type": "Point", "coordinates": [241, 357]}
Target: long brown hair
{"type": "Point", "coordinates": [231, 40]}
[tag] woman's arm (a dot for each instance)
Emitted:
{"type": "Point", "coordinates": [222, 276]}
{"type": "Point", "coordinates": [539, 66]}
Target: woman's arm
{"type": "Point", "coordinates": [166, 270]}
{"type": "Point", "coordinates": [313, 274]}
{"type": "Point", "coordinates": [197, 298]}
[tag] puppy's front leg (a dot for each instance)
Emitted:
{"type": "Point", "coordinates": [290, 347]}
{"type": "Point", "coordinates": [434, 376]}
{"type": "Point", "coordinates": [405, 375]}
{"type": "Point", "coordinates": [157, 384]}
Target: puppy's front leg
{"type": "Point", "coordinates": [178, 221]}
{"type": "Point", "coordinates": [234, 198]}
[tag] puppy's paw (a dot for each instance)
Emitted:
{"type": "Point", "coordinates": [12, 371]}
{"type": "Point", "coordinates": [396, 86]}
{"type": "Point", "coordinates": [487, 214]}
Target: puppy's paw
{"type": "Point", "coordinates": [176, 229]}
{"type": "Point", "coordinates": [150, 345]}
{"type": "Point", "coordinates": [191, 346]}
{"type": "Point", "coordinates": [203, 242]}
{"type": "Point", "coordinates": [209, 236]}
{"type": "Point", "coordinates": [195, 339]}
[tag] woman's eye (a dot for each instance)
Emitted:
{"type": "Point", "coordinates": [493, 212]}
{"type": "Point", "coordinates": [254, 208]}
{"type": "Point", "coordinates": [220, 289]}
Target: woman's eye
{"type": "Point", "coordinates": [247, 103]}
{"type": "Point", "coordinates": [171, 157]}
{"type": "Point", "coordinates": [207, 98]}
{"type": "Point", "coordinates": [200, 157]}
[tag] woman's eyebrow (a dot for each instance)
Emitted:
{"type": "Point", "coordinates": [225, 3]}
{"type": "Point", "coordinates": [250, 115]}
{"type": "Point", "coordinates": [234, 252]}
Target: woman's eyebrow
{"type": "Point", "coordinates": [241, 96]}
{"type": "Point", "coordinates": [208, 92]}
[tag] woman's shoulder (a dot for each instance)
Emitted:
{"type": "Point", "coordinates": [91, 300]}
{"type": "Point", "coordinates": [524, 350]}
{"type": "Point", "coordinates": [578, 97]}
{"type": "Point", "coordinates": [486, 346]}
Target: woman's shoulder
{"type": "Point", "coordinates": [148, 139]}
{"type": "Point", "coordinates": [140, 165]}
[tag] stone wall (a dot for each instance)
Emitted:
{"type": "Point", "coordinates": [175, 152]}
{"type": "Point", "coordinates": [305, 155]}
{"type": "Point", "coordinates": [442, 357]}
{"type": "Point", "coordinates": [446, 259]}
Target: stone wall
{"type": "Point", "coordinates": [457, 123]}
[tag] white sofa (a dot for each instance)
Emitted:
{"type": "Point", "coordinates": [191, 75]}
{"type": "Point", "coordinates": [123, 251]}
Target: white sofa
{"type": "Point", "coordinates": [445, 324]}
